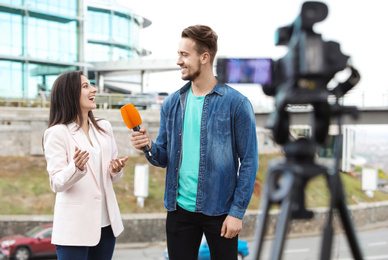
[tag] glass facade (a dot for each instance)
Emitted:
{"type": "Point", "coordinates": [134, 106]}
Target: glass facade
{"type": "Point", "coordinates": [43, 38]}
{"type": "Point", "coordinates": [16, 76]}
{"type": "Point", "coordinates": [11, 2]}
{"type": "Point", "coordinates": [98, 25]}
{"type": "Point", "coordinates": [11, 77]}
{"type": "Point", "coordinates": [11, 29]}
{"type": "Point", "coordinates": [51, 40]}
{"type": "Point", "coordinates": [113, 36]}
{"type": "Point", "coordinates": [65, 8]}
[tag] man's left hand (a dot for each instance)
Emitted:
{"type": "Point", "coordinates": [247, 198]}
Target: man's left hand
{"type": "Point", "coordinates": [231, 227]}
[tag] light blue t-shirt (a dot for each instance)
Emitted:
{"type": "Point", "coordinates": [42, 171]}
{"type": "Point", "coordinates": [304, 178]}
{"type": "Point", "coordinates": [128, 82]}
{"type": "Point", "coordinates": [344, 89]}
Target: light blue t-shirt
{"type": "Point", "coordinates": [188, 173]}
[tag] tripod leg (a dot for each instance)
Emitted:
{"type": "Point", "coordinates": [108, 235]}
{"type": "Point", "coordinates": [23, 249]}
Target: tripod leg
{"type": "Point", "coordinates": [281, 229]}
{"type": "Point", "coordinates": [261, 224]}
{"type": "Point", "coordinates": [339, 203]}
{"type": "Point", "coordinates": [287, 186]}
{"type": "Point", "coordinates": [327, 241]}
{"type": "Point", "coordinates": [347, 224]}
{"type": "Point", "coordinates": [327, 238]}
{"type": "Point", "coordinates": [278, 189]}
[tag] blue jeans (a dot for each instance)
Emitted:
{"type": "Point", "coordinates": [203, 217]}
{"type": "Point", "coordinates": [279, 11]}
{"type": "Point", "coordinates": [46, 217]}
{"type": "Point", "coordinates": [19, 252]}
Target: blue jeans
{"type": "Point", "coordinates": [102, 251]}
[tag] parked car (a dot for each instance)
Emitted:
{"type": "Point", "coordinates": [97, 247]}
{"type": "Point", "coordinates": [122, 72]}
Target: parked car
{"type": "Point", "coordinates": [204, 252]}
{"type": "Point", "coordinates": [161, 97]}
{"type": "Point", "coordinates": [35, 243]}
{"type": "Point", "coordinates": [143, 100]}
{"type": "Point", "coordinates": [147, 100]}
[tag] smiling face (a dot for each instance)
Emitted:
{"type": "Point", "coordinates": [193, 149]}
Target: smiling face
{"type": "Point", "coordinates": [189, 59]}
{"type": "Point", "coordinates": [88, 94]}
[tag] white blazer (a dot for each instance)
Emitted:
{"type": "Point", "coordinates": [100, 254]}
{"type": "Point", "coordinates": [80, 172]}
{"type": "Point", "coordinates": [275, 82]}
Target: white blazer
{"type": "Point", "coordinates": [77, 213]}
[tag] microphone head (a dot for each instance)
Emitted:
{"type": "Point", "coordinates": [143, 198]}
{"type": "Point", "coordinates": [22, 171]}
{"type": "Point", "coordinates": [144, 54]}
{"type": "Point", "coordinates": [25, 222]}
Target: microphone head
{"type": "Point", "coordinates": [130, 116]}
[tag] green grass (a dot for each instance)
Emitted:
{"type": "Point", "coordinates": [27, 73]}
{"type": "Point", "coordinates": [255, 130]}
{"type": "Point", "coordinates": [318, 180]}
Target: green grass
{"type": "Point", "coordinates": [24, 187]}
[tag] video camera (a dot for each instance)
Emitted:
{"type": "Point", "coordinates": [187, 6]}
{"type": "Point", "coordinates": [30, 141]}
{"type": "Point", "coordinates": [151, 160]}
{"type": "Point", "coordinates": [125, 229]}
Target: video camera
{"type": "Point", "coordinates": [300, 77]}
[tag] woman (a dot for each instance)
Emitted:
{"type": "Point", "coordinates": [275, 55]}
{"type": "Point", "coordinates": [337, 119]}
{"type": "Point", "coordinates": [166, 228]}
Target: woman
{"type": "Point", "coordinates": [81, 161]}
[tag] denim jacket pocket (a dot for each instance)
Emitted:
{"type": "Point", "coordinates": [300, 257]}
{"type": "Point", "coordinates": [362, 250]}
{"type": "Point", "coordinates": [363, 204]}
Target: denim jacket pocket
{"type": "Point", "coordinates": [222, 125]}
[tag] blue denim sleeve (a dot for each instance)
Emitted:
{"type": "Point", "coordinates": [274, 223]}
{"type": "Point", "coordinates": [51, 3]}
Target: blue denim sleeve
{"type": "Point", "coordinates": [159, 148]}
{"type": "Point", "coordinates": [247, 150]}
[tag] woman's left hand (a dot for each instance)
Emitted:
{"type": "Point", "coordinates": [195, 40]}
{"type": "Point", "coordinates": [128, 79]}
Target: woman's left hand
{"type": "Point", "coordinates": [117, 164]}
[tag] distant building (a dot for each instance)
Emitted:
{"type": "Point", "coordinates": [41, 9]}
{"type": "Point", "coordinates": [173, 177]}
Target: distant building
{"type": "Point", "coordinates": [42, 38]}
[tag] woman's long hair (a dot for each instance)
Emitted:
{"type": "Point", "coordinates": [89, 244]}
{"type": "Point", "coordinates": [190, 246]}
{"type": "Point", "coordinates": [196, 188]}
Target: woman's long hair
{"type": "Point", "coordinates": [65, 106]}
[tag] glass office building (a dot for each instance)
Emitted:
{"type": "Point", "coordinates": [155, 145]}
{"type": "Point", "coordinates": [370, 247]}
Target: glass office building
{"type": "Point", "coordinates": [42, 38]}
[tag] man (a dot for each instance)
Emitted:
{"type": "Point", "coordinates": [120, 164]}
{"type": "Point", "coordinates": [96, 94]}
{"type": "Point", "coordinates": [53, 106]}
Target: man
{"type": "Point", "coordinates": [207, 141]}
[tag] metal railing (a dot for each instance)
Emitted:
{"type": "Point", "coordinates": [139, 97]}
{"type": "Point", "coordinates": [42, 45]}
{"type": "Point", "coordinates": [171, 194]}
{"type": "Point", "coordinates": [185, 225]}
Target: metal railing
{"type": "Point", "coordinates": [364, 99]}
{"type": "Point", "coordinates": [143, 101]}
{"type": "Point", "coordinates": [103, 101]}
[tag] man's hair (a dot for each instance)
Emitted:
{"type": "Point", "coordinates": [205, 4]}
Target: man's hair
{"type": "Point", "coordinates": [205, 39]}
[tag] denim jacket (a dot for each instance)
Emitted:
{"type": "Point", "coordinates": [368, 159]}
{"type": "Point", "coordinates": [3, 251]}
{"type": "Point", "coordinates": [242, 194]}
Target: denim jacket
{"type": "Point", "coordinates": [228, 151]}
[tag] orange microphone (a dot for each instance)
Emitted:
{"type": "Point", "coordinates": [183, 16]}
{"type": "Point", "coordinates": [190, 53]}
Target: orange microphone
{"type": "Point", "coordinates": [132, 119]}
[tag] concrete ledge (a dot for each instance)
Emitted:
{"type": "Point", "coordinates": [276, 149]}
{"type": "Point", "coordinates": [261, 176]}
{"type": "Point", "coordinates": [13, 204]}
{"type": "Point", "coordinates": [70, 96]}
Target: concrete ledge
{"type": "Point", "coordinates": [364, 216]}
{"type": "Point", "coordinates": [141, 229]}
{"type": "Point", "coordinates": [21, 130]}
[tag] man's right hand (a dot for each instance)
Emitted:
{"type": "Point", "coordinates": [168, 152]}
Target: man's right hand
{"type": "Point", "coordinates": [141, 138]}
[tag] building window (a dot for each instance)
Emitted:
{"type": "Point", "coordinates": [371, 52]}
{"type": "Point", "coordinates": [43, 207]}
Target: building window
{"type": "Point", "coordinates": [52, 40]}
{"type": "Point", "coordinates": [64, 8]}
{"type": "Point", "coordinates": [98, 52]}
{"type": "Point", "coordinates": [11, 79]}
{"type": "Point", "coordinates": [11, 2]}
{"type": "Point", "coordinates": [11, 34]}
{"type": "Point", "coordinates": [40, 39]}
{"type": "Point", "coordinates": [41, 77]}
{"type": "Point", "coordinates": [120, 53]}
{"type": "Point", "coordinates": [121, 29]}
{"type": "Point", "coordinates": [135, 31]}
{"type": "Point", "coordinates": [98, 25]}
{"type": "Point", "coordinates": [111, 35]}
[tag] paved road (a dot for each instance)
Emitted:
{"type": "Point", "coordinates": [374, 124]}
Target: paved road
{"type": "Point", "coordinates": [374, 244]}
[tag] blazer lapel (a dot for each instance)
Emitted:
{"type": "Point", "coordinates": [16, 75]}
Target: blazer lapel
{"type": "Point", "coordinates": [81, 143]}
{"type": "Point", "coordinates": [105, 155]}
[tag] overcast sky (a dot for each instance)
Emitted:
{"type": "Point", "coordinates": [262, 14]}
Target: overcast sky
{"type": "Point", "coordinates": [246, 28]}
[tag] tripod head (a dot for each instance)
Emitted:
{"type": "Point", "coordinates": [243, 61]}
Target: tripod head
{"type": "Point", "coordinates": [302, 75]}
{"type": "Point", "coordinates": [296, 171]}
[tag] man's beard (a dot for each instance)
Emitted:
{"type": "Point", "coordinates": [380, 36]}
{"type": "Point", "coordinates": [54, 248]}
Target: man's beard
{"type": "Point", "coordinates": [195, 75]}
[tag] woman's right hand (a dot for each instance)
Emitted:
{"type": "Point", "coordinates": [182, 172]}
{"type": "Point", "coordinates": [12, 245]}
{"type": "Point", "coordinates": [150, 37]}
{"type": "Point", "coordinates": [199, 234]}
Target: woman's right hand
{"type": "Point", "coordinates": [80, 158]}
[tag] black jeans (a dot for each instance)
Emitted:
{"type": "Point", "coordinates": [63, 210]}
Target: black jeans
{"type": "Point", "coordinates": [184, 233]}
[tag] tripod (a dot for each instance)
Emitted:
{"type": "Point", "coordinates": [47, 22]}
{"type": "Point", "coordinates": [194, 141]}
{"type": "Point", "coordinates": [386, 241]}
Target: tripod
{"type": "Point", "coordinates": [286, 181]}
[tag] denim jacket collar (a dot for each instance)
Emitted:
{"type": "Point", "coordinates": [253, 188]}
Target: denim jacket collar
{"type": "Point", "coordinates": [218, 89]}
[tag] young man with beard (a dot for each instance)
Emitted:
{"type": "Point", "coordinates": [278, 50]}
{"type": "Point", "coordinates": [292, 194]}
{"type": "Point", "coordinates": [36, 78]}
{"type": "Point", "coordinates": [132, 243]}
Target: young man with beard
{"type": "Point", "coordinates": [207, 141]}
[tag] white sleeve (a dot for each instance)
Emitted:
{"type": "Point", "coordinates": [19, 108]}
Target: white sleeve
{"type": "Point", "coordinates": [62, 171]}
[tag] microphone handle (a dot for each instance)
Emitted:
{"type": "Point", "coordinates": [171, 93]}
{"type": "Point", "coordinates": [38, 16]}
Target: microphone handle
{"type": "Point", "coordinates": [146, 149]}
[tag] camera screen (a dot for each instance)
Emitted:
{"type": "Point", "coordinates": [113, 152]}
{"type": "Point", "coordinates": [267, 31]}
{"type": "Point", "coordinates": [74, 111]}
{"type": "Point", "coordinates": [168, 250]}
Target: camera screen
{"type": "Point", "coordinates": [237, 70]}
